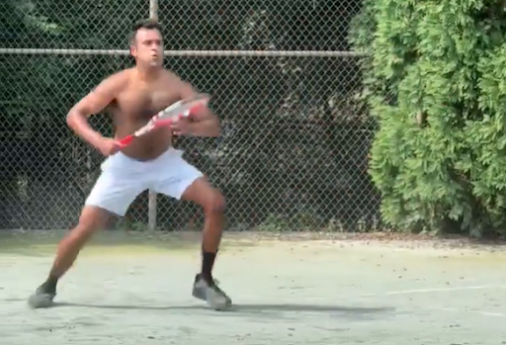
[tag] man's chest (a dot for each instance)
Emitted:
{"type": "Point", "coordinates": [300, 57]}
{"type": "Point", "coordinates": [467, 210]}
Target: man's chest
{"type": "Point", "coordinates": [144, 103]}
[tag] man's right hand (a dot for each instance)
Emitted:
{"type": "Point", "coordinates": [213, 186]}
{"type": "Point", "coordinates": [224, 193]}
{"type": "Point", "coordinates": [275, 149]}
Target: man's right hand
{"type": "Point", "coordinates": [108, 146]}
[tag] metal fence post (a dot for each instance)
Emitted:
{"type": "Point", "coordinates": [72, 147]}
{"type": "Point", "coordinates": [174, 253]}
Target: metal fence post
{"type": "Point", "coordinates": [153, 9]}
{"type": "Point", "coordinates": [153, 14]}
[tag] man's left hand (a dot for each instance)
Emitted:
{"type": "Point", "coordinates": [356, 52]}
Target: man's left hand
{"type": "Point", "coordinates": [181, 126]}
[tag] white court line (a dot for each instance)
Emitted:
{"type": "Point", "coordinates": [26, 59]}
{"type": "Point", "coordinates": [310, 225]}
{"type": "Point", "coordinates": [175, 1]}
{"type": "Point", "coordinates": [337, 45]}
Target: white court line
{"type": "Point", "coordinates": [460, 311]}
{"type": "Point", "coordinates": [448, 289]}
{"type": "Point", "coordinates": [431, 290]}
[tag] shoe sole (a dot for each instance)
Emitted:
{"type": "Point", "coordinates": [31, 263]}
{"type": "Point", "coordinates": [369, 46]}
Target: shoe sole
{"type": "Point", "coordinates": [216, 306]}
{"type": "Point", "coordinates": [40, 301]}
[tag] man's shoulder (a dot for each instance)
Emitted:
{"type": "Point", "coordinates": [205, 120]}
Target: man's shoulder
{"type": "Point", "coordinates": [121, 76]}
{"type": "Point", "coordinates": [117, 80]}
{"type": "Point", "coordinates": [169, 74]}
{"type": "Point", "coordinates": [172, 77]}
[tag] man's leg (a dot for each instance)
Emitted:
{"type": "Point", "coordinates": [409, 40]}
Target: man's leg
{"type": "Point", "coordinates": [213, 204]}
{"type": "Point", "coordinates": [91, 219]}
{"type": "Point", "coordinates": [185, 182]}
{"type": "Point", "coordinates": [113, 193]}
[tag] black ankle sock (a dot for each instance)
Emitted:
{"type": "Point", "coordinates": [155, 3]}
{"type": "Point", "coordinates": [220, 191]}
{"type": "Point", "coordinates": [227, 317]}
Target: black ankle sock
{"type": "Point", "coordinates": [50, 284]}
{"type": "Point", "coordinates": [207, 265]}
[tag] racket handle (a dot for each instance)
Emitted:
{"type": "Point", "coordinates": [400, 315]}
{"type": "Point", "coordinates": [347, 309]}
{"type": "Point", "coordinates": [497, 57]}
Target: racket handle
{"type": "Point", "coordinates": [125, 141]}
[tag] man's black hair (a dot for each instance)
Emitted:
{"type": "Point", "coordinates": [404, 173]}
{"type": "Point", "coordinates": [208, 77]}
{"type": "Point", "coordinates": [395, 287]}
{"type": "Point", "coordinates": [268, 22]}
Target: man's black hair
{"type": "Point", "coordinates": [149, 24]}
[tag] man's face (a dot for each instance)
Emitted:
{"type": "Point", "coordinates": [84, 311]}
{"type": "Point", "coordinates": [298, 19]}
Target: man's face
{"type": "Point", "coordinates": [147, 48]}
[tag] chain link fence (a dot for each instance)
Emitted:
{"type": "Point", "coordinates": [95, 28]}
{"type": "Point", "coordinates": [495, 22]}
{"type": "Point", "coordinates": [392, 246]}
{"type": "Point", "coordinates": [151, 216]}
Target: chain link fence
{"type": "Point", "coordinates": [294, 149]}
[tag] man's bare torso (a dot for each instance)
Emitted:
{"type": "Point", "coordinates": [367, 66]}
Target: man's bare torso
{"type": "Point", "coordinates": [134, 106]}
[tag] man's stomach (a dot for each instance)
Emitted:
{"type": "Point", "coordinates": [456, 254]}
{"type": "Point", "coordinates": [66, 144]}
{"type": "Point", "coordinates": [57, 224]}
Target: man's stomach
{"type": "Point", "coordinates": [149, 146]}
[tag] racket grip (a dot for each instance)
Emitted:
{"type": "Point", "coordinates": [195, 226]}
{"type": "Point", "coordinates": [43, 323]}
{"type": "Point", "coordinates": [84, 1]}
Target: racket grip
{"type": "Point", "coordinates": [125, 141]}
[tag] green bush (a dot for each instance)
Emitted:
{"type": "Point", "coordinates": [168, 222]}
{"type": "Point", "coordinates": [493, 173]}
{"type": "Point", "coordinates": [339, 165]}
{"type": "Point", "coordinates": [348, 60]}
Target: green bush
{"type": "Point", "coordinates": [435, 80]}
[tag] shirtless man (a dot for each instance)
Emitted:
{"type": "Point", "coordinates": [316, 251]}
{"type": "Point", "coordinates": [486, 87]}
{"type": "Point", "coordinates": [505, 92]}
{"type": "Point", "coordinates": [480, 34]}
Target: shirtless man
{"type": "Point", "coordinates": [133, 96]}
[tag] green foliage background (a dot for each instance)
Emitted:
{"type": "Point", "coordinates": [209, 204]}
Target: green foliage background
{"type": "Point", "coordinates": [434, 79]}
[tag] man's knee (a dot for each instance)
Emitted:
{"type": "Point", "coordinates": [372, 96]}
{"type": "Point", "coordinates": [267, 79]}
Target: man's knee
{"type": "Point", "coordinates": [91, 220]}
{"type": "Point", "coordinates": [216, 202]}
{"type": "Point", "coordinates": [202, 193]}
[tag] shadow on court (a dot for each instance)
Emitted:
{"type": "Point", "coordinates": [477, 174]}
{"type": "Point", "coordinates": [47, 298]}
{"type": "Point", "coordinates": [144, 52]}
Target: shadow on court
{"type": "Point", "coordinates": [244, 308]}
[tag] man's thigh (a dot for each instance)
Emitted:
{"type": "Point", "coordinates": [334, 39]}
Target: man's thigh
{"type": "Point", "coordinates": [114, 192]}
{"type": "Point", "coordinates": [204, 194]}
{"type": "Point", "coordinates": [175, 176]}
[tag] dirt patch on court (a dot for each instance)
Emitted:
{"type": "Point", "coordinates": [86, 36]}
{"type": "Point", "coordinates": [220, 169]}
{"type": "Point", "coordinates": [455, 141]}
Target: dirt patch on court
{"type": "Point", "coordinates": [392, 240]}
{"type": "Point", "coordinates": [41, 241]}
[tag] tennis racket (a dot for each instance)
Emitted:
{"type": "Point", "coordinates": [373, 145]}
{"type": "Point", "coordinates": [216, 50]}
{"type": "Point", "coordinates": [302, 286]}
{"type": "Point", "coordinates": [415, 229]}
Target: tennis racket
{"type": "Point", "coordinates": [165, 117]}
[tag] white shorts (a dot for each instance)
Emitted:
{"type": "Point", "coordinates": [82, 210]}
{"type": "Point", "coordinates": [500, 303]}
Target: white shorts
{"type": "Point", "coordinates": [123, 179]}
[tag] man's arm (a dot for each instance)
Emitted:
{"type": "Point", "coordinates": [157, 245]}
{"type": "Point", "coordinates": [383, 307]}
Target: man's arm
{"type": "Point", "coordinates": [203, 123]}
{"type": "Point", "coordinates": [93, 103]}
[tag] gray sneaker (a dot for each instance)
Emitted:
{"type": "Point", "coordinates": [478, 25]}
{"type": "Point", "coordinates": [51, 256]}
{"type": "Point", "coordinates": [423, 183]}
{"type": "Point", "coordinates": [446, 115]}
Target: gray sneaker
{"type": "Point", "coordinates": [216, 298]}
{"type": "Point", "coordinates": [42, 298]}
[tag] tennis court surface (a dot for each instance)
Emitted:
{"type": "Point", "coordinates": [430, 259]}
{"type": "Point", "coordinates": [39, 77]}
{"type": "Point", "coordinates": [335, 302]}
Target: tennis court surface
{"type": "Point", "coordinates": [137, 290]}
